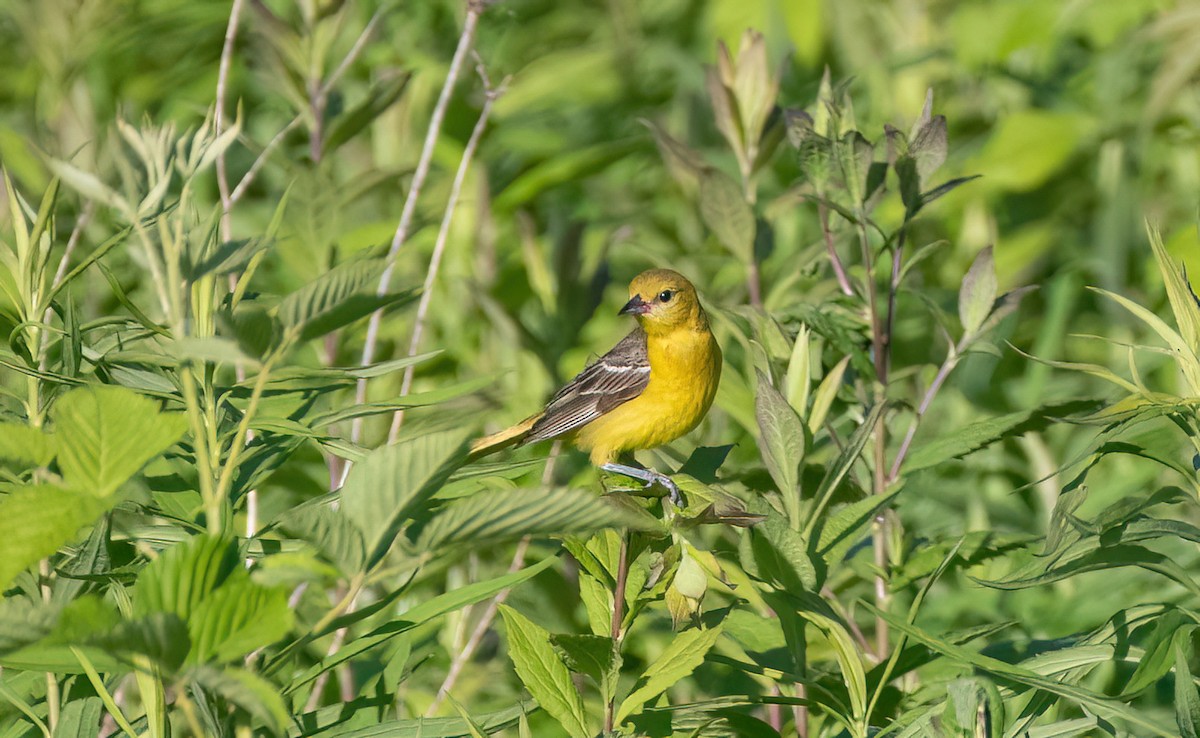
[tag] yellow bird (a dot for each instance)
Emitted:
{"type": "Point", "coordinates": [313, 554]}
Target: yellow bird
{"type": "Point", "coordinates": [654, 386]}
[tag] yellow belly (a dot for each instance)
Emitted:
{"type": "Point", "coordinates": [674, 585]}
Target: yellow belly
{"type": "Point", "coordinates": [684, 372]}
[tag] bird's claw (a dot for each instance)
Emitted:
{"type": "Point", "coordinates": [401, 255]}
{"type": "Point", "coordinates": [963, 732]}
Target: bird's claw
{"type": "Point", "coordinates": [669, 485]}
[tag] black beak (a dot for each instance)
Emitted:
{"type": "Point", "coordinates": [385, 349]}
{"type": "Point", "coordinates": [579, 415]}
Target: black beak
{"type": "Point", "coordinates": [635, 306]}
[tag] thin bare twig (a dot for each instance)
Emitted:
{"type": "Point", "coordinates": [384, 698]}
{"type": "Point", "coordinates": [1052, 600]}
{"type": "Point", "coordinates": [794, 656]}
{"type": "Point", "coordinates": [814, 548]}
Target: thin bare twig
{"type": "Point", "coordinates": [942, 374]}
{"type": "Point", "coordinates": [439, 247]}
{"type": "Point", "coordinates": [489, 614]}
{"type": "Point", "coordinates": [235, 14]}
{"type": "Point", "coordinates": [839, 269]}
{"type": "Point", "coordinates": [465, 41]}
{"type": "Point", "coordinates": [248, 178]}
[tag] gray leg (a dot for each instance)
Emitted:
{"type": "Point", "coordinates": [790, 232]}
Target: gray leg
{"type": "Point", "coordinates": [649, 476]}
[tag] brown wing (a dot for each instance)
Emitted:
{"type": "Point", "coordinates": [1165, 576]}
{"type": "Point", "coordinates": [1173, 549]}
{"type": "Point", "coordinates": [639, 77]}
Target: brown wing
{"type": "Point", "coordinates": [615, 378]}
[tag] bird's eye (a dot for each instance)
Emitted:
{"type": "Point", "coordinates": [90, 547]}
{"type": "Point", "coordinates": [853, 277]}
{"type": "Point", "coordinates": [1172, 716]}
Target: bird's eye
{"type": "Point", "coordinates": [665, 296]}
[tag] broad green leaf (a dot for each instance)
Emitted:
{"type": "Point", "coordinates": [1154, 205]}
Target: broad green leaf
{"type": "Point", "coordinates": [89, 185]}
{"type": "Point", "coordinates": [489, 517]}
{"type": "Point", "coordinates": [543, 672]}
{"type": "Point", "coordinates": [840, 530]}
{"type": "Point", "coordinates": [424, 612]}
{"type": "Point", "coordinates": [813, 609]}
{"type": "Point", "coordinates": [238, 617]}
{"type": "Point", "coordinates": [593, 655]}
{"type": "Point", "coordinates": [250, 692]}
{"type": "Point", "coordinates": [337, 298]}
{"type": "Point", "coordinates": [184, 575]}
{"type": "Point", "coordinates": [782, 443]}
{"type": "Point", "coordinates": [780, 554]}
{"type": "Point", "coordinates": [228, 257]}
{"type": "Point", "coordinates": [685, 652]}
{"type": "Point", "coordinates": [36, 520]}
{"type": "Point", "coordinates": [724, 210]}
{"type": "Point", "coordinates": [26, 444]}
{"type": "Point", "coordinates": [80, 718]}
{"type": "Point", "coordinates": [978, 292]}
{"type": "Point", "coordinates": [105, 435]}
{"type": "Point", "coordinates": [330, 531]}
{"type": "Point", "coordinates": [394, 482]}
{"type": "Point", "coordinates": [826, 394]}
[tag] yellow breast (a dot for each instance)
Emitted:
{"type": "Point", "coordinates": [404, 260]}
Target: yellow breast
{"type": "Point", "coordinates": [685, 368]}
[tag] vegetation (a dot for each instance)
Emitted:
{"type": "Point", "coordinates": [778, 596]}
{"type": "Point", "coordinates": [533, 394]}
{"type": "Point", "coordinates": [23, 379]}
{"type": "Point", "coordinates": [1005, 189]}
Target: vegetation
{"type": "Point", "coordinates": [268, 266]}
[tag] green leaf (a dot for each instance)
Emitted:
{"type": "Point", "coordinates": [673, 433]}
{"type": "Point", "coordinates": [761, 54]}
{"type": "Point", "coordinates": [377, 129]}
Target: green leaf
{"type": "Point", "coordinates": [1187, 699]}
{"type": "Point", "coordinates": [238, 617]}
{"type": "Point", "coordinates": [782, 443]}
{"type": "Point", "coordinates": [497, 516]}
{"type": "Point", "coordinates": [337, 298]}
{"type": "Point", "coordinates": [780, 554]}
{"type": "Point", "coordinates": [724, 210]}
{"type": "Point", "coordinates": [250, 692]}
{"type": "Point", "coordinates": [36, 520]}
{"type": "Point", "coordinates": [227, 258]}
{"type": "Point", "coordinates": [676, 663]}
{"type": "Point", "coordinates": [382, 94]}
{"type": "Point", "coordinates": [106, 435]}
{"type": "Point", "coordinates": [394, 482]}
{"type": "Point", "coordinates": [543, 672]}
{"type": "Point", "coordinates": [331, 531]}
{"type": "Point", "coordinates": [593, 655]}
{"type": "Point", "coordinates": [26, 444]}
{"type": "Point", "coordinates": [1094, 702]}
{"type": "Point", "coordinates": [968, 439]}
{"type": "Point", "coordinates": [978, 292]}
{"type": "Point", "coordinates": [184, 575]}
{"type": "Point", "coordinates": [80, 718]}
{"type": "Point", "coordinates": [841, 529]}
{"type": "Point", "coordinates": [492, 723]}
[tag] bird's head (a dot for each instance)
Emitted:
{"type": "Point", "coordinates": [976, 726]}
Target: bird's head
{"type": "Point", "coordinates": [663, 300]}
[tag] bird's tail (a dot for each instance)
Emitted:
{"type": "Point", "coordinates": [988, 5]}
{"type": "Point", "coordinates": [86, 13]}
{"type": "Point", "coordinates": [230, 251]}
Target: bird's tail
{"type": "Point", "coordinates": [508, 437]}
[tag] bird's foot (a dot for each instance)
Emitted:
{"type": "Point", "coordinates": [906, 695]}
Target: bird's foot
{"type": "Point", "coordinates": [650, 477]}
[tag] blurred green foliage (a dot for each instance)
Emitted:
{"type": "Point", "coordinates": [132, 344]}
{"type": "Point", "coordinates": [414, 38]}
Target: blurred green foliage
{"type": "Point", "coordinates": [1082, 120]}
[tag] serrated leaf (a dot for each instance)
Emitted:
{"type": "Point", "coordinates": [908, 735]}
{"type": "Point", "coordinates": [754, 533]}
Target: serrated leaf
{"type": "Point", "coordinates": [510, 514]}
{"type": "Point", "coordinates": [782, 443]}
{"type": "Point", "coordinates": [80, 718]}
{"type": "Point", "coordinates": [593, 655]}
{"type": "Point", "coordinates": [978, 292]}
{"type": "Point", "coordinates": [36, 520]}
{"type": "Point", "coordinates": [250, 692]}
{"type": "Point", "coordinates": [677, 662]}
{"type": "Point", "coordinates": [184, 575]}
{"type": "Point", "coordinates": [236, 618]}
{"type": "Point", "coordinates": [106, 434]}
{"type": "Point", "coordinates": [543, 672]}
{"type": "Point", "coordinates": [973, 437]}
{"type": "Point", "coordinates": [724, 210]}
{"type": "Point", "coordinates": [337, 298]}
{"type": "Point", "coordinates": [394, 482]}
{"type": "Point", "coordinates": [780, 554]}
{"type": "Point", "coordinates": [27, 444]}
{"type": "Point", "coordinates": [331, 531]}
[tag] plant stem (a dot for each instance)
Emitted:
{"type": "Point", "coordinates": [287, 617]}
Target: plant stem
{"type": "Point", "coordinates": [439, 247]}
{"type": "Point", "coordinates": [839, 269]}
{"type": "Point", "coordinates": [238, 443]}
{"type": "Point", "coordinates": [465, 41]}
{"type": "Point", "coordinates": [235, 14]}
{"type": "Point", "coordinates": [879, 345]}
{"type": "Point", "coordinates": [618, 614]}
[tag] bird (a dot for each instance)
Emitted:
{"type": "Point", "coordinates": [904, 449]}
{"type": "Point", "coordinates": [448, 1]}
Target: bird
{"type": "Point", "coordinates": [652, 387]}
